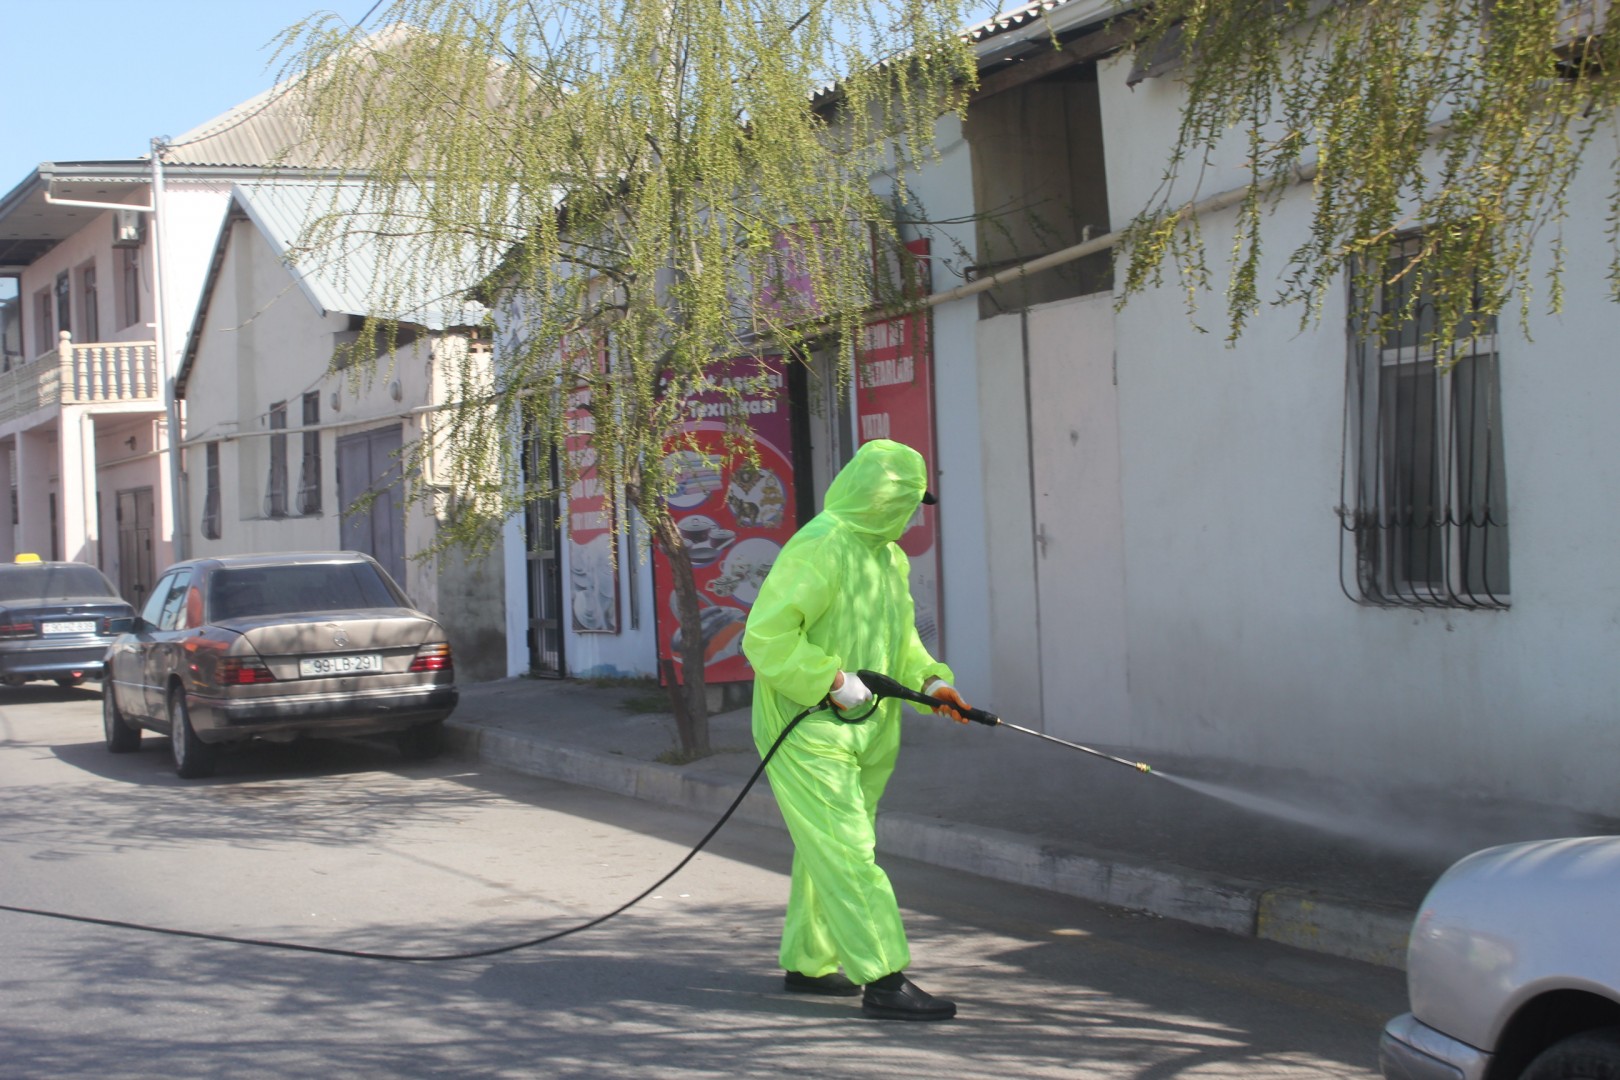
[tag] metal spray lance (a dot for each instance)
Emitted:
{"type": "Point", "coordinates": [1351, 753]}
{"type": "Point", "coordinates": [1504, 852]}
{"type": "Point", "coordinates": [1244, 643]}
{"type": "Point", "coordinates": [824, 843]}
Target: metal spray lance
{"type": "Point", "coordinates": [883, 686]}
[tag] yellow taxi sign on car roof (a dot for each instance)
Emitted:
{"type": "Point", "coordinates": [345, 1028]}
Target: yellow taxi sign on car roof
{"type": "Point", "coordinates": [27, 556]}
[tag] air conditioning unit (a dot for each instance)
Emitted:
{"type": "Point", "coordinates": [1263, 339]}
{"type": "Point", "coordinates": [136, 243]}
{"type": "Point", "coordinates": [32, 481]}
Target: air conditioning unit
{"type": "Point", "coordinates": [129, 228]}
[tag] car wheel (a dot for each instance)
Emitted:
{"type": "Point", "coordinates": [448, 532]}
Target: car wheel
{"type": "Point", "coordinates": [1591, 1055]}
{"type": "Point", "coordinates": [423, 741]}
{"type": "Point", "coordinates": [193, 758]}
{"type": "Point", "coordinates": [122, 736]}
{"type": "Point", "coordinates": [68, 684]}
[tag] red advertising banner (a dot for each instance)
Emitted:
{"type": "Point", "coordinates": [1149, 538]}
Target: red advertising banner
{"type": "Point", "coordinates": [593, 584]}
{"type": "Point", "coordinates": [894, 399]}
{"type": "Point", "coordinates": [734, 517]}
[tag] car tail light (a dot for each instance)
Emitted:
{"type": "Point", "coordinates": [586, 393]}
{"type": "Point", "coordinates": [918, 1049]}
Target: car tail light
{"type": "Point", "coordinates": [434, 658]}
{"type": "Point", "coordinates": [242, 671]}
{"type": "Point", "coordinates": [16, 630]}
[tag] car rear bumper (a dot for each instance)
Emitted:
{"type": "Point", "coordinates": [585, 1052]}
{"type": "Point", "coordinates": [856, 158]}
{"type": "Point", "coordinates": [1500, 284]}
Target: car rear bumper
{"type": "Point", "coordinates": [47, 659]}
{"type": "Point", "coordinates": [355, 713]}
{"type": "Point", "coordinates": [1411, 1050]}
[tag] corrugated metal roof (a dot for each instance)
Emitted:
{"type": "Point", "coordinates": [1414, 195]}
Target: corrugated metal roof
{"type": "Point", "coordinates": [1059, 16]}
{"type": "Point", "coordinates": [1002, 36]}
{"type": "Point", "coordinates": [354, 276]}
{"type": "Point", "coordinates": [268, 129]}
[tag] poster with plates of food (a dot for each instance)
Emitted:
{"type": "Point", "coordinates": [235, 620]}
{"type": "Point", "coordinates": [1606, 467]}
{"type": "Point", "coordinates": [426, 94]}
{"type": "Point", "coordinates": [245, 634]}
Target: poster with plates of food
{"type": "Point", "coordinates": [734, 514]}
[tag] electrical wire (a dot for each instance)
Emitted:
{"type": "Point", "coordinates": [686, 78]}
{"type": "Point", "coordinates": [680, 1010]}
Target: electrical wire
{"type": "Point", "coordinates": [426, 958]}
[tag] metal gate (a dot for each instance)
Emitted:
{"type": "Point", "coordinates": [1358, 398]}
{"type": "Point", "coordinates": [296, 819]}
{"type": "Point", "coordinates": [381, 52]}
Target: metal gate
{"type": "Point", "coordinates": [542, 541]}
{"type": "Point", "coordinates": [135, 569]}
{"type": "Point", "coordinates": [370, 494]}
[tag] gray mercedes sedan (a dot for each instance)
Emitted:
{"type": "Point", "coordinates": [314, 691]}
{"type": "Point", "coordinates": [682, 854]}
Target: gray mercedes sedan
{"type": "Point", "coordinates": [276, 647]}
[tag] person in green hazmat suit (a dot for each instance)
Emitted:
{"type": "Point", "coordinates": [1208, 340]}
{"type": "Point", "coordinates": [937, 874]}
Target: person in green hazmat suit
{"type": "Point", "coordinates": [837, 601]}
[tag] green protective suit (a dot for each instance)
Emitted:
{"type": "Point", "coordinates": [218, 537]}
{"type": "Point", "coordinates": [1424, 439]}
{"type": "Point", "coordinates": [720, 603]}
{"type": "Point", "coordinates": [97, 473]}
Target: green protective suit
{"type": "Point", "coordinates": [839, 598]}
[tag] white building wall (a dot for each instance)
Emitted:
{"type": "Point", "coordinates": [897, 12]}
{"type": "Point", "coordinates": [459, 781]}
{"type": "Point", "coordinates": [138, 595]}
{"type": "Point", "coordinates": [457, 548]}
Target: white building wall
{"type": "Point", "coordinates": [1241, 643]}
{"type": "Point", "coordinates": [944, 192]}
{"type": "Point", "coordinates": [264, 342]}
{"type": "Point", "coordinates": [1006, 543]}
{"type": "Point", "coordinates": [92, 246]}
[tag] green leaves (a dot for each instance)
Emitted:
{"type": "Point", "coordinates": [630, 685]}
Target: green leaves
{"type": "Point", "coordinates": [1463, 118]}
{"type": "Point", "coordinates": [632, 171]}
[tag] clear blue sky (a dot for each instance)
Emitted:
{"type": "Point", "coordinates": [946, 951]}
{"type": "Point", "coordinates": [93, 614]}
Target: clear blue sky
{"type": "Point", "coordinates": [91, 80]}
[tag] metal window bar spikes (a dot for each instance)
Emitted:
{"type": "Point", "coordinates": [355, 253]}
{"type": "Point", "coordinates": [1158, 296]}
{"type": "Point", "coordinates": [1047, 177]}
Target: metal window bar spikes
{"type": "Point", "coordinates": [1422, 513]}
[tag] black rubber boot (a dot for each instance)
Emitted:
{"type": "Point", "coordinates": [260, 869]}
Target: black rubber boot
{"type": "Point", "coordinates": [895, 997]}
{"type": "Point", "coordinates": [833, 984]}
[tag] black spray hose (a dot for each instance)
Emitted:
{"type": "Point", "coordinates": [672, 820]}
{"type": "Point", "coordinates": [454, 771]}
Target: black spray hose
{"type": "Point", "coordinates": [429, 958]}
{"type": "Point", "coordinates": [881, 686]}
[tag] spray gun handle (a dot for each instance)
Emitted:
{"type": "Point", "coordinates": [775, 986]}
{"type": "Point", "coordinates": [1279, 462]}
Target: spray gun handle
{"type": "Point", "coordinates": [981, 716]}
{"type": "Point", "coordinates": [883, 686]}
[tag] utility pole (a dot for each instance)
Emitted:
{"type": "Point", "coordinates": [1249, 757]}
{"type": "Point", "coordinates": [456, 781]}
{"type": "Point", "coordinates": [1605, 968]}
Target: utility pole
{"type": "Point", "coordinates": [177, 500]}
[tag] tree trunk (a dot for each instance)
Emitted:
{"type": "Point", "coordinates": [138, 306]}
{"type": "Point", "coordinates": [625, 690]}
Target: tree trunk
{"type": "Point", "coordinates": [692, 721]}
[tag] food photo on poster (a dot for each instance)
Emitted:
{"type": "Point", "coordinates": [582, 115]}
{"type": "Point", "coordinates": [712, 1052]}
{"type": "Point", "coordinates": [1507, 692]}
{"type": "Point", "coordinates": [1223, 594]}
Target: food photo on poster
{"type": "Point", "coordinates": [734, 513]}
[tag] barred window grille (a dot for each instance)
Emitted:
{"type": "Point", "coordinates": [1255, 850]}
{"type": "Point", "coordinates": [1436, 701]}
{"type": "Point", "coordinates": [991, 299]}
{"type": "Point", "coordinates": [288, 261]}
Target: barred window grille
{"type": "Point", "coordinates": [1424, 507]}
{"type": "Point", "coordinates": [210, 516]}
{"type": "Point", "coordinates": [275, 488]}
{"type": "Point", "coordinates": [309, 472]}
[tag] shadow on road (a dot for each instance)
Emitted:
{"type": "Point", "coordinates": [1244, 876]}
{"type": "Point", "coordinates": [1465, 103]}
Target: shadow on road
{"type": "Point", "coordinates": [662, 991]}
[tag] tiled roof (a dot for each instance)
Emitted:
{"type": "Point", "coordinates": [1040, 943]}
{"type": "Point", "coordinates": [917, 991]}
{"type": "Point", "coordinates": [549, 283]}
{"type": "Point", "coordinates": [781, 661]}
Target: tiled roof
{"type": "Point", "coordinates": [1004, 21]}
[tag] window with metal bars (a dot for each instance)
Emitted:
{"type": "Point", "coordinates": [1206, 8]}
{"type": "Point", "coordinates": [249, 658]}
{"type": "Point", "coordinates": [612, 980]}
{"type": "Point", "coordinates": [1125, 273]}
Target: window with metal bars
{"type": "Point", "coordinates": [275, 488]}
{"type": "Point", "coordinates": [309, 471]}
{"type": "Point", "coordinates": [1424, 489]}
{"type": "Point", "coordinates": [210, 515]}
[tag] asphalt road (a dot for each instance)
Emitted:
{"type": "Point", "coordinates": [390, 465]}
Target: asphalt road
{"type": "Point", "coordinates": [346, 845]}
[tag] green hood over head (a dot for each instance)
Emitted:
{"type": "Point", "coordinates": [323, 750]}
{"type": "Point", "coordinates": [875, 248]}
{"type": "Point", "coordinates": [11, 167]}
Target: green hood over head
{"type": "Point", "coordinates": [879, 490]}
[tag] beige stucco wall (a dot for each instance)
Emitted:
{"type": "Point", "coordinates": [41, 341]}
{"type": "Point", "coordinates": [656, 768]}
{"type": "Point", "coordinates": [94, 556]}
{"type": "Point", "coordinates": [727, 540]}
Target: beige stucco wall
{"type": "Point", "coordinates": [263, 340]}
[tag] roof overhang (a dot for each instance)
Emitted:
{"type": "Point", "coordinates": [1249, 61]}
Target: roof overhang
{"type": "Point", "coordinates": [32, 224]}
{"type": "Point", "coordinates": [35, 215]}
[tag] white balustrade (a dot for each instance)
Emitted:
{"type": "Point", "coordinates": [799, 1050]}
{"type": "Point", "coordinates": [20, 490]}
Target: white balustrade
{"type": "Point", "coordinates": [96, 373]}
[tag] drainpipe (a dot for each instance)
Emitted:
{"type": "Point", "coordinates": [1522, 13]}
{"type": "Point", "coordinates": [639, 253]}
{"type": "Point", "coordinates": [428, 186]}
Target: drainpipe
{"type": "Point", "coordinates": [182, 545]}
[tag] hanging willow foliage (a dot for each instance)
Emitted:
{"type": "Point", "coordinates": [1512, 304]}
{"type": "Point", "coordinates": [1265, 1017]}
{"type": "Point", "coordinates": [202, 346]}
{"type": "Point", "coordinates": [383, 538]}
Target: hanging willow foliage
{"type": "Point", "coordinates": [661, 191]}
{"type": "Point", "coordinates": [1465, 119]}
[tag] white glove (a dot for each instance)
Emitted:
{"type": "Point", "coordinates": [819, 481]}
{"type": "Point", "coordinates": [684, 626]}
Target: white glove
{"type": "Point", "coordinates": [851, 692]}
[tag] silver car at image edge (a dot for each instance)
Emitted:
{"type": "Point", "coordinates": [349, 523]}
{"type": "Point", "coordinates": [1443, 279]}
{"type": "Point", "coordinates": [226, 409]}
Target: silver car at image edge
{"type": "Point", "coordinates": [1513, 971]}
{"type": "Point", "coordinates": [277, 647]}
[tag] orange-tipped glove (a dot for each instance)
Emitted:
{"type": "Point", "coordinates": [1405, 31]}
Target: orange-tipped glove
{"type": "Point", "coordinates": [952, 704]}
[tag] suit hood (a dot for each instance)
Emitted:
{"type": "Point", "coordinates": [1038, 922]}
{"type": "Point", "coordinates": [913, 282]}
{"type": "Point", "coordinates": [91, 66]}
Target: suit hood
{"type": "Point", "coordinates": [877, 493]}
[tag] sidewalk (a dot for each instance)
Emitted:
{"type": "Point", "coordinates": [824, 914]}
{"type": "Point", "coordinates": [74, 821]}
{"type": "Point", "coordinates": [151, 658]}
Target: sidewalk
{"type": "Point", "coordinates": [1267, 854]}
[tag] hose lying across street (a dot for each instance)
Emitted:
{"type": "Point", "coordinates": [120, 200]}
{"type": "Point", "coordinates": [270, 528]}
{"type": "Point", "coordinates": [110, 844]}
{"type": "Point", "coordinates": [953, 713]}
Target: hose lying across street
{"type": "Point", "coordinates": [427, 958]}
{"type": "Point", "coordinates": [881, 685]}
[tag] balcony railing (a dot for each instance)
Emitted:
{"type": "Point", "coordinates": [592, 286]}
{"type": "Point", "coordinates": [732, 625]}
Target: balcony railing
{"type": "Point", "coordinates": [96, 373]}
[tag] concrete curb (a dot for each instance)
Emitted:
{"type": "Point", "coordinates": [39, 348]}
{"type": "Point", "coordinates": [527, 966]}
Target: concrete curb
{"type": "Point", "coordinates": [1354, 931]}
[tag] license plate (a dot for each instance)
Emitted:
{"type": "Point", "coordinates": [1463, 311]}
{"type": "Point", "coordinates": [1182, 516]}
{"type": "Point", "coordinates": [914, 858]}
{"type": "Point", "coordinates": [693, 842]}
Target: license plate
{"type": "Point", "coordinates": [82, 626]}
{"type": "Point", "coordinates": [339, 665]}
